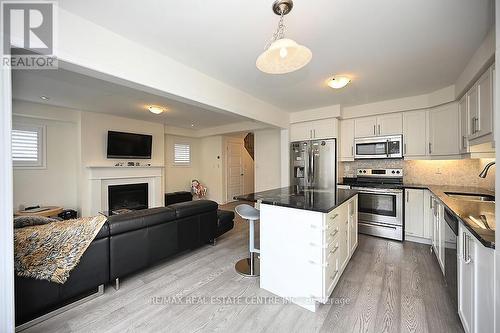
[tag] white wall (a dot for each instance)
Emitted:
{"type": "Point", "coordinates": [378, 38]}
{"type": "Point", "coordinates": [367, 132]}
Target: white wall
{"type": "Point", "coordinates": [94, 131]}
{"type": "Point", "coordinates": [57, 183]}
{"type": "Point", "coordinates": [267, 159]}
{"type": "Point", "coordinates": [178, 178]}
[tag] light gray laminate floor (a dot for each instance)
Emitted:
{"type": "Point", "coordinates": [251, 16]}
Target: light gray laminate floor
{"type": "Point", "coordinates": [387, 287]}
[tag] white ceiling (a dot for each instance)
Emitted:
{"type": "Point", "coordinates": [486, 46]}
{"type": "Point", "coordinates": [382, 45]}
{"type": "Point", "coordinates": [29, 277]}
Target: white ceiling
{"type": "Point", "coordinates": [392, 48]}
{"type": "Point", "coordinates": [76, 91]}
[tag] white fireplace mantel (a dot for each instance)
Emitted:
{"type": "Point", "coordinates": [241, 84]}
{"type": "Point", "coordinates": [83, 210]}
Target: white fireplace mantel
{"type": "Point", "coordinates": [100, 178]}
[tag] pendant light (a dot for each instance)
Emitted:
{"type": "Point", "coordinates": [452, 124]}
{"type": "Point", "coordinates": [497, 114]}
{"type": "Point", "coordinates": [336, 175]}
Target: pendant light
{"type": "Point", "coordinates": [283, 55]}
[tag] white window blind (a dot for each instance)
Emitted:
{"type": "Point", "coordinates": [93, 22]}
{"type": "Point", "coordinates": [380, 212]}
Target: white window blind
{"type": "Point", "coordinates": [28, 146]}
{"type": "Point", "coordinates": [182, 154]}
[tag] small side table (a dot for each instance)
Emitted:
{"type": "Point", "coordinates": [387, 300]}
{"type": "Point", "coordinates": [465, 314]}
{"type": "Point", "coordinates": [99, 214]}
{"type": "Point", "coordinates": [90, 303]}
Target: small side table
{"type": "Point", "coordinates": [47, 212]}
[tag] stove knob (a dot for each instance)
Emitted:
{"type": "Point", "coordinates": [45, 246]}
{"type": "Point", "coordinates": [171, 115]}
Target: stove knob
{"type": "Point", "coordinates": [364, 171]}
{"type": "Point", "coordinates": [360, 171]}
{"type": "Point", "coordinates": [393, 171]}
{"type": "Point", "coordinates": [398, 172]}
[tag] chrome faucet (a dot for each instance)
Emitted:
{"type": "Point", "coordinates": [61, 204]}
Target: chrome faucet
{"type": "Point", "coordinates": [485, 170]}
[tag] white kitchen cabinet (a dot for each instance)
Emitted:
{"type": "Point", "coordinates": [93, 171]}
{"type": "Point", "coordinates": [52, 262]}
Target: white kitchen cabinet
{"type": "Point", "coordinates": [438, 232]}
{"type": "Point", "coordinates": [353, 226]}
{"type": "Point", "coordinates": [428, 216]}
{"type": "Point", "coordinates": [347, 140]}
{"type": "Point", "coordinates": [444, 130]}
{"type": "Point", "coordinates": [475, 283]}
{"type": "Point", "coordinates": [464, 124]}
{"type": "Point", "coordinates": [364, 127]}
{"type": "Point", "coordinates": [465, 269]}
{"type": "Point", "coordinates": [414, 213]}
{"type": "Point", "coordinates": [388, 124]}
{"type": "Point", "coordinates": [484, 124]}
{"type": "Point", "coordinates": [415, 133]}
{"type": "Point", "coordinates": [473, 109]}
{"type": "Point", "coordinates": [316, 129]}
{"type": "Point", "coordinates": [306, 263]}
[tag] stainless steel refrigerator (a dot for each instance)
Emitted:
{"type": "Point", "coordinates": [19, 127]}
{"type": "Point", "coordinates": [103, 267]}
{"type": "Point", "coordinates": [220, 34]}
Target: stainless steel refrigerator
{"type": "Point", "coordinates": [313, 164]}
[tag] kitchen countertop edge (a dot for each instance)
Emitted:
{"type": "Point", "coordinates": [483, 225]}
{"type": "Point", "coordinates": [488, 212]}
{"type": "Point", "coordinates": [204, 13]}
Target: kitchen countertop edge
{"type": "Point", "coordinates": [437, 194]}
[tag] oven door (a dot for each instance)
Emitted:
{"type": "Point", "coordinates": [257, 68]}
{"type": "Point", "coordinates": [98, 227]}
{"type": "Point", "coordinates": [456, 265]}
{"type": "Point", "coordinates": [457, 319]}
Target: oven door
{"type": "Point", "coordinates": [383, 206]}
{"type": "Point", "coordinates": [380, 147]}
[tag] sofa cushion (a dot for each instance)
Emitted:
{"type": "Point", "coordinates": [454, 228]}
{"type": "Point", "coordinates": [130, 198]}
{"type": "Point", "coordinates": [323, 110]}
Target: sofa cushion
{"type": "Point", "coordinates": [176, 197]}
{"type": "Point", "coordinates": [139, 219]}
{"type": "Point", "coordinates": [190, 208]}
{"type": "Point", "coordinates": [225, 222]}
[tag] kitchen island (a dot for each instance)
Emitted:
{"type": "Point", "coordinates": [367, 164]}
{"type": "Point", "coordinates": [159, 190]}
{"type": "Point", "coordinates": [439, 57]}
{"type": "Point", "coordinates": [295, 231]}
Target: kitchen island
{"type": "Point", "coordinates": [307, 237]}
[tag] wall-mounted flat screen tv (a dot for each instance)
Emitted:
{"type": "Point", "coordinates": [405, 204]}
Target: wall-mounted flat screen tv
{"type": "Point", "coordinates": [129, 145]}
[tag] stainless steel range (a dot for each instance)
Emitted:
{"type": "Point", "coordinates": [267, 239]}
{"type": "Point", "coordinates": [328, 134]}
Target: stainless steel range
{"type": "Point", "coordinates": [380, 202]}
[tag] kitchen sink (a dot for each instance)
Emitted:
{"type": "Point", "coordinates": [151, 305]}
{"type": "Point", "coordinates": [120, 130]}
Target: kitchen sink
{"type": "Point", "coordinates": [471, 196]}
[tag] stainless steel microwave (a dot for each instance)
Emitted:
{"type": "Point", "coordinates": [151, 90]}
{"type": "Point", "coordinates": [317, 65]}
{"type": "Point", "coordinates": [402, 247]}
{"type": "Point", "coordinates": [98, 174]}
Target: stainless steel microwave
{"type": "Point", "coordinates": [379, 147]}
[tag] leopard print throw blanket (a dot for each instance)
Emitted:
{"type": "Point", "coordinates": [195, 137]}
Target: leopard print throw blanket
{"type": "Point", "coordinates": [51, 251]}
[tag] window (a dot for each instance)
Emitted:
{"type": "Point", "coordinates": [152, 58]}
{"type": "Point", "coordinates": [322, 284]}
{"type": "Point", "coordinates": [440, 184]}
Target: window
{"type": "Point", "coordinates": [28, 146]}
{"type": "Point", "coordinates": [182, 154]}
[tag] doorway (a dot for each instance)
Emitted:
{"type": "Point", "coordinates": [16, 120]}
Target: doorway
{"type": "Point", "coordinates": [239, 164]}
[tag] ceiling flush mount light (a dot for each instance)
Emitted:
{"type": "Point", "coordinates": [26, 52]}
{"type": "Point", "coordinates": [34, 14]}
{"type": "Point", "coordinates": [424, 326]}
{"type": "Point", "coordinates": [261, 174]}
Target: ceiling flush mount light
{"type": "Point", "coordinates": [44, 98]}
{"type": "Point", "coordinates": [338, 82]}
{"type": "Point", "coordinates": [283, 55]}
{"type": "Point", "coordinates": [155, 109]}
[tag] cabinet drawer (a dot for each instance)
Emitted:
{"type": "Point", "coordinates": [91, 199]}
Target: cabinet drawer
{"type": "Point", "coordinates": [332, 274]}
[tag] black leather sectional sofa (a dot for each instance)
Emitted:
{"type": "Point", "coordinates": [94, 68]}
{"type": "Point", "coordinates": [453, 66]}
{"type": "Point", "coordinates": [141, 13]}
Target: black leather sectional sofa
{"type": "Point", "coordinates": [126, 244]}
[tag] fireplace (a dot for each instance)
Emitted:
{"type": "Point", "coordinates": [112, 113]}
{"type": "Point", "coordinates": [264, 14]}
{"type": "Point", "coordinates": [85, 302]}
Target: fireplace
{"type": "Point", "coordinates": [128, 196]}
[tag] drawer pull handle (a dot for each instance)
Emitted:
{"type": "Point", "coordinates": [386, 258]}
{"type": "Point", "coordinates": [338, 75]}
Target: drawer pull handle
{"type": "Point", "coordinates": [332, 234]}
{"type": "Point", "coordinates": [334, 249]}
{"type": "Point", "coordinates": [334, 275]}
{"type": "Point", "coordinates": [334, 217]}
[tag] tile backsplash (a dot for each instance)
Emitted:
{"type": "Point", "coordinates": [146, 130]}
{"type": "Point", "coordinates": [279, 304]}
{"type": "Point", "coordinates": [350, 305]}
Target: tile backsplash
{"type": "Point", "coordinates": [443, 172]}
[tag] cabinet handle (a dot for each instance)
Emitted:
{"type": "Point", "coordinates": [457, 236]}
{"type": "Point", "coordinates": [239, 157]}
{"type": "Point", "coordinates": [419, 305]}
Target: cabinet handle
{"type": "Point", "coordinates": [463, 142]}
{"type": "Point", "coordinates": [430, 201]}
{"type": "Point", "coordinates": [379, 129]}
{"type": "Point", "coordinates": [430, 148]}
{"type": "Point", "coordinates": [352, 151]}
{"type": "Point", "coordinates": [404, 147]}
{"type": "Point", "coordinates": [314, 133]}
{"type": "Point", "coordinates": [332, 277]}
{"type": "Point", "coordinates": [407, 196]}
{"type": "Point", "coordinates": [374, 130]}
{"type": "Point", "coordinates": [467, 250]}
{"type": "Point", "coordinates": [334, 217]}
{"type": "Point", "coordinates": [334, 249]}
{"type": "Point", "coordinates": [332, 234]}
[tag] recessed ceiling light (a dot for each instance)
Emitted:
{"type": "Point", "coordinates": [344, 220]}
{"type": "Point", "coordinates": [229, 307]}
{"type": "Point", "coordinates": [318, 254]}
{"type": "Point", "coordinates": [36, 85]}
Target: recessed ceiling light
{"type": "Point", "coordinates": [338, 82]}
{"type": "Point", "coordinates": [45, 98]}
{"type": "Point", "coordinates": [156, 109]}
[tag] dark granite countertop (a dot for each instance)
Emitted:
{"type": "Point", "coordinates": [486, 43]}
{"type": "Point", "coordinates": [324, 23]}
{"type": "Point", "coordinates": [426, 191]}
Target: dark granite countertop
{"type": "Point", "coordinates": [316, 200]}
{"type": "Point", "coordinates": [470, 213]}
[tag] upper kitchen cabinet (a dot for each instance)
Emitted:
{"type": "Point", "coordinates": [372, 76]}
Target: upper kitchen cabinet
{"type": "Point", "coordinates": [444, 130]}
{"type": "Point", "coordinates": [347, 140]}
{"type": "Point", "coordinates": [414, 134]}
{"type": "Point", "coordinates": [366, 126]}
{"type": "Point", "coordinates": [464, 124]}
{"type": "Point", "coordinates": [484, 119]}
{"type": "Point", "coordinates": [388, 124]}
{"type": "Point", "coordinates": [316, 129]}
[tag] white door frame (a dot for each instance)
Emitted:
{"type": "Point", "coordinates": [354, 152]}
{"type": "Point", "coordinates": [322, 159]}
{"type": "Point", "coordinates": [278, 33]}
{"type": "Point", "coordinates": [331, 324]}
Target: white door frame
{"type": "Point", "coordinates": [226, 171]}
{"type": "Point", "coordinates": [6, 206]}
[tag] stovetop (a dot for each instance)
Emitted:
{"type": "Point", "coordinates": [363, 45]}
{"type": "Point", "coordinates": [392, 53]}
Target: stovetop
{"type": "Point", "coordinates": [376, 183]}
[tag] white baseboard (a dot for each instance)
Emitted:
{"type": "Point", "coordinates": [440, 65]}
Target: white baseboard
{"type": "Point", "coordinates": [420, 240]}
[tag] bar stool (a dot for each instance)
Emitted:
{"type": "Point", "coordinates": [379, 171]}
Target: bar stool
{"type": "Point", "coordinates": [249, 267]}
